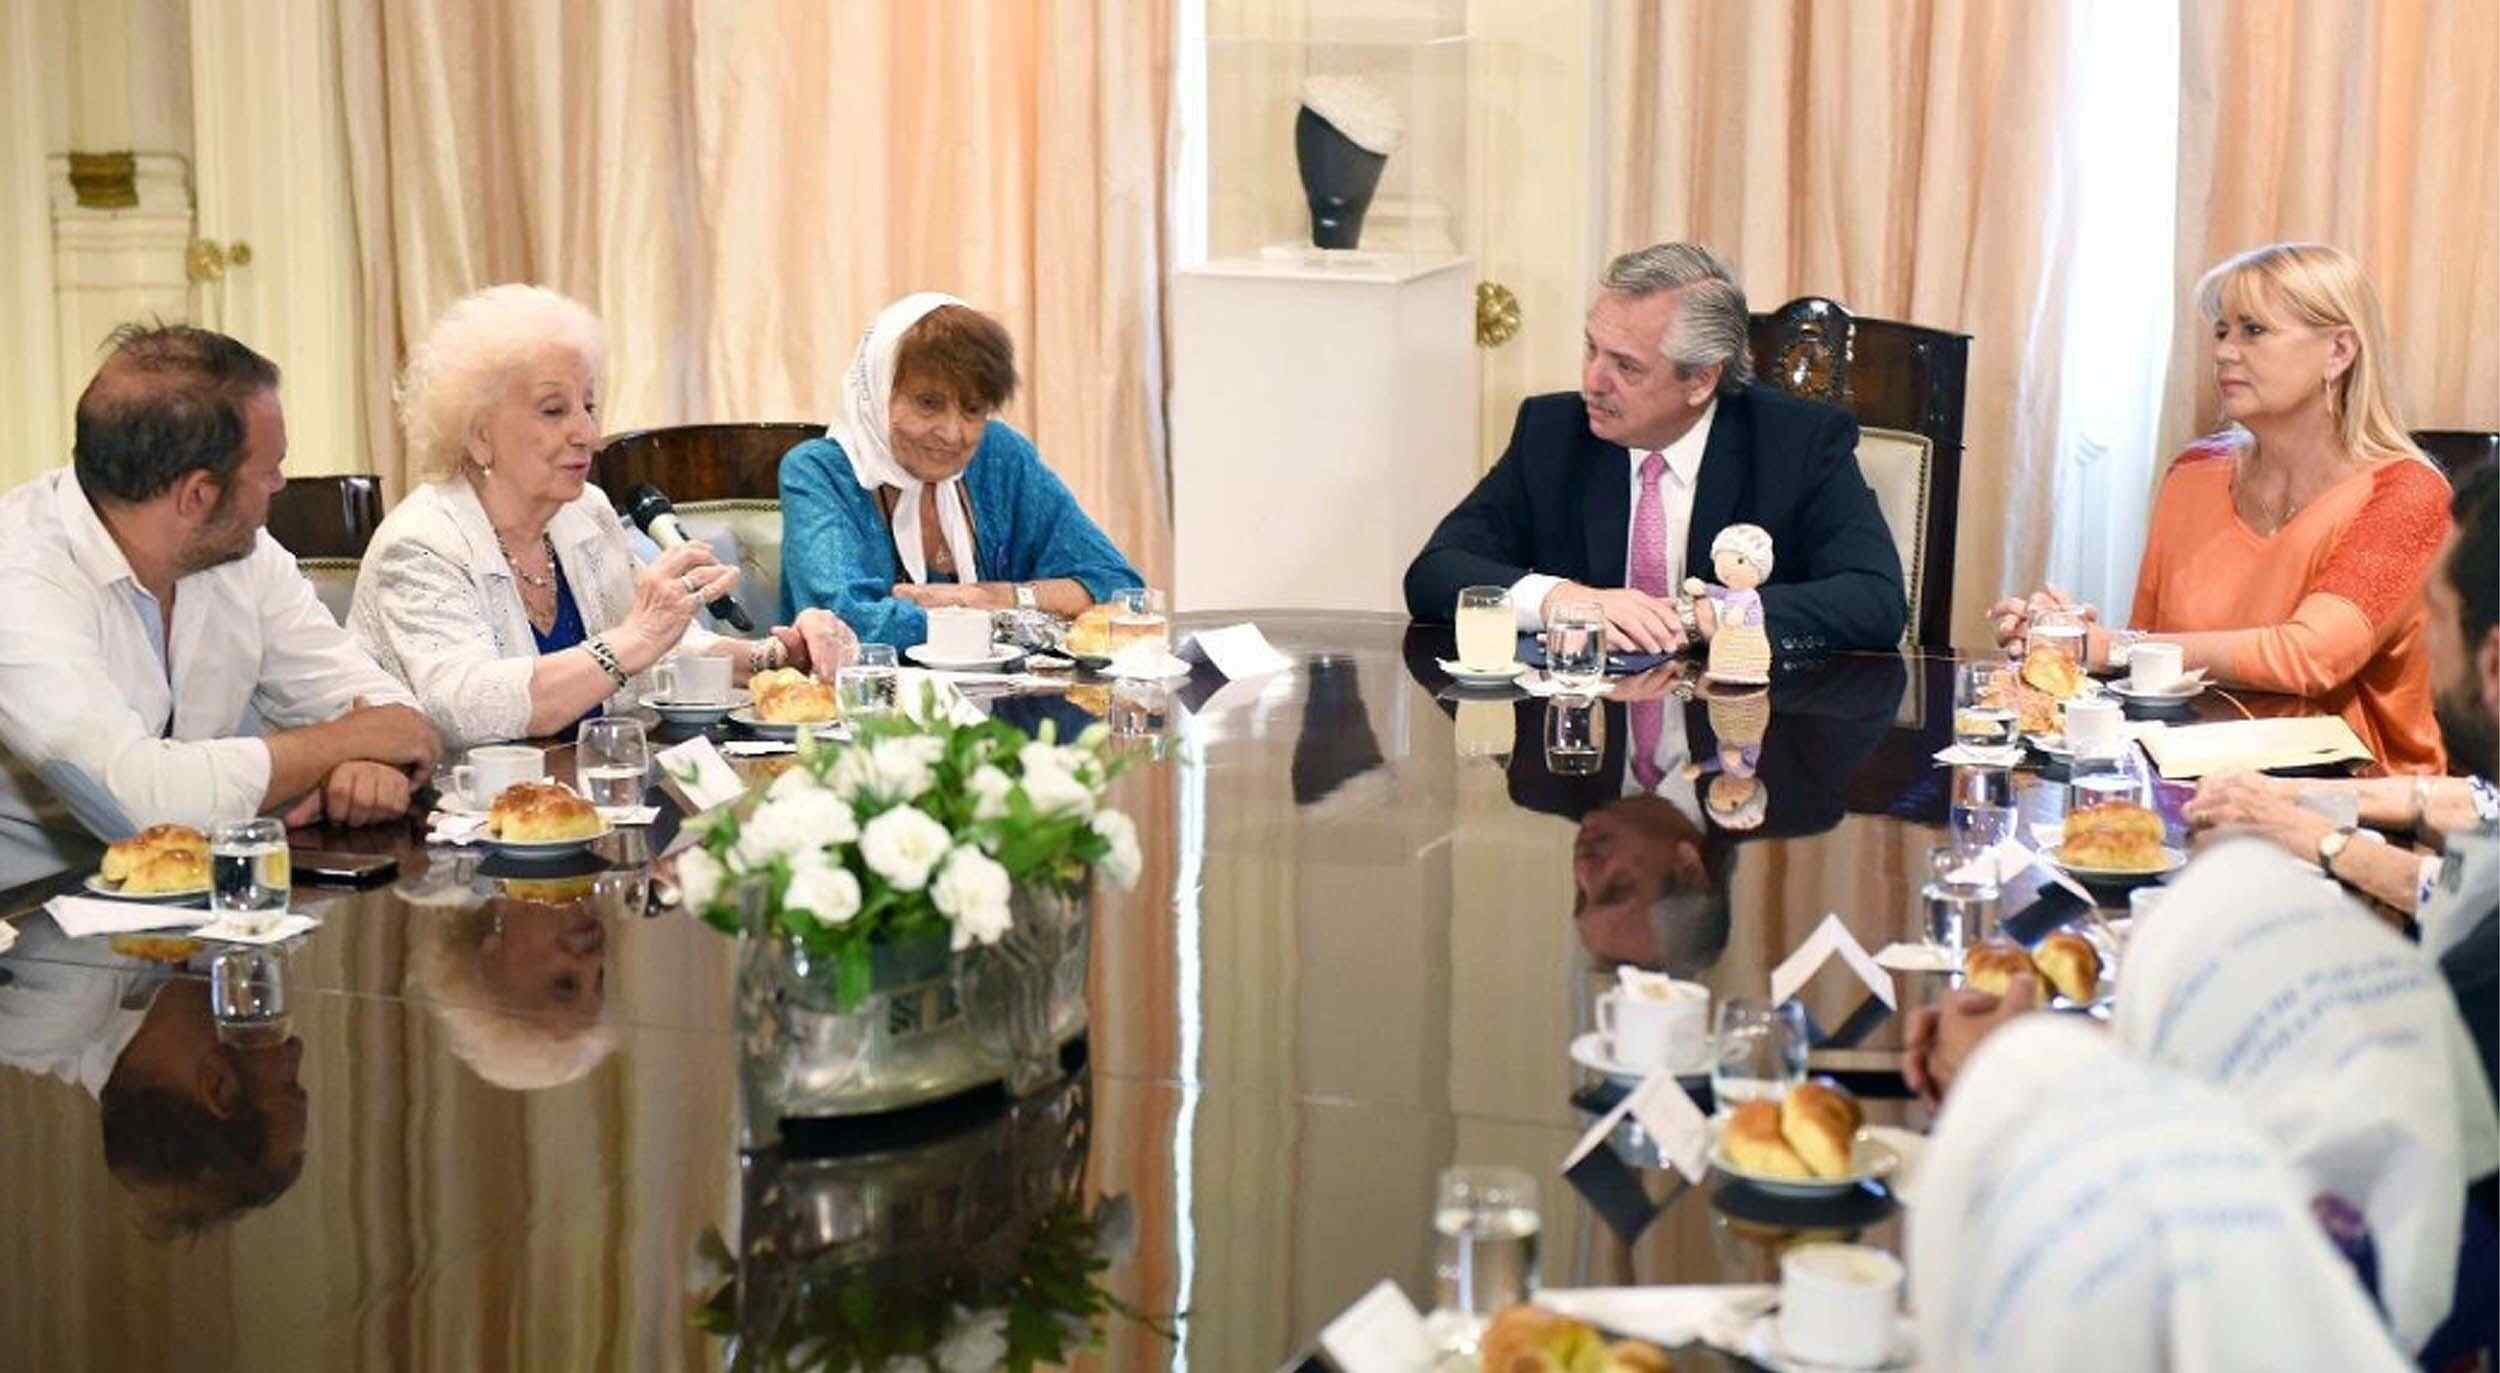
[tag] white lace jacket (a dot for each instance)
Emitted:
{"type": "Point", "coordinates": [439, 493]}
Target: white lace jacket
{"type": "Point", "coordinates": [437, 605]}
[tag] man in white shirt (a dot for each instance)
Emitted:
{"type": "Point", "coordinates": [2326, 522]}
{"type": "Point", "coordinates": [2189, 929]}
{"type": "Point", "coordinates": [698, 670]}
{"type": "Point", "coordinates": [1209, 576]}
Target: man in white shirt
{"type": "Point", "coordinates": [164, 661]}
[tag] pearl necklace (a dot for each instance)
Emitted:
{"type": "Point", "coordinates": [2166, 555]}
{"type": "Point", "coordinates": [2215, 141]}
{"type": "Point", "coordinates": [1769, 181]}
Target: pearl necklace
{"type": "Point", "coordinates": [546, 583]}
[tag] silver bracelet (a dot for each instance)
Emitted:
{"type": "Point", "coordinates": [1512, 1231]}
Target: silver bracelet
{"type": "Point", "coordinates": [605, 657]}
{"type": "Point", "coordinates": [768, 653]}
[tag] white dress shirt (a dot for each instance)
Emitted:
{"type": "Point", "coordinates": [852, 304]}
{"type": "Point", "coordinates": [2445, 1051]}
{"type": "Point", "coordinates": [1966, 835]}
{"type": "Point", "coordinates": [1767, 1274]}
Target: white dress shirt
{"type": "Point", "coordinates": [103, 731]}
{"type": "Point", "coordinates": [1675, 493]}
{"type": "Point", "coordinates": [71, 1018]}
{"type": "Point", "coordinates": [438, 607]}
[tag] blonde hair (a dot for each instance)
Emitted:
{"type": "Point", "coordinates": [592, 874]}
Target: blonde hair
{"type": "Point", "coordinates": [458, 371]}
{"type": "Point", "coordinates": [2324, 288]}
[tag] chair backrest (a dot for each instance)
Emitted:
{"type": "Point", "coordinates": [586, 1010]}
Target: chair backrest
{"type": "Point", "coordinates": [326, 523]}
{"type": "Point", "coordinates": [1904, 382]}
{"type": "Point", "coordinates": [725, 480]}
{"type": "Point", "coordinates": [2457, 449]}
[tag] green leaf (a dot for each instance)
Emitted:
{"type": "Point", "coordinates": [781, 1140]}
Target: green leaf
{"type": "Point", "coordinates": [851, 974]}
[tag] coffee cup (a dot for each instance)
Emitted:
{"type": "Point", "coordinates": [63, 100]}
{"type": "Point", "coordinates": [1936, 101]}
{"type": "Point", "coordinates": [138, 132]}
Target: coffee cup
{"type": "Point", "coordinates": [1838, 1304]}
{"type": "Point", "coordinates": [2154, 666]}
{"type": "Point", "coordinates": [2095, 725]}
{"type": "Point", "coordinates": [1658, 1024]}
{"type": "Point", "coordinates": [490, 768]}
{"type": "Point", "coordinates": [694, 679]}
{"type": "Point", "coordinates": [959, 634]}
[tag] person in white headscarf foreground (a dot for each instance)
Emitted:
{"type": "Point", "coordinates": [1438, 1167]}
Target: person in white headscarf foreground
{"type": "Point", "coordinates": [919, 496]}
{"type": "Point", "coordinates": [2338, 1039]}
{"type": "Point", "coordinates": [2079, 1209]}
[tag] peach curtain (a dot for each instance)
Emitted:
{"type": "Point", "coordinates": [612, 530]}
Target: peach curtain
{"type": "Point", "coordinates": [1892, 156]}
{"type": "Point", "coordinates": [2374, 127]}
{"type": "Point", "coordinates": [737, 188]}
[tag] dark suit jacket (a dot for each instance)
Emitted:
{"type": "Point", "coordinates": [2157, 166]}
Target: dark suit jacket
{"type": "Point", "coordinates": [1559, 502]}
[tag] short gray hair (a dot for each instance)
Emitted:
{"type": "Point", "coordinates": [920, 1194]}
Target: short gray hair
{"type": "Point", "coordinates": [1712, 326]}
{"type": "Point", "coordinates": [456, 373]}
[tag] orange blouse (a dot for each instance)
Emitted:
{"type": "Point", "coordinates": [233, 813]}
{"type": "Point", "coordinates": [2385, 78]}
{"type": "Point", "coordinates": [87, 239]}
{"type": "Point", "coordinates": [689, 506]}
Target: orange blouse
{"type": "Point", "coordinates": [2331, 602]}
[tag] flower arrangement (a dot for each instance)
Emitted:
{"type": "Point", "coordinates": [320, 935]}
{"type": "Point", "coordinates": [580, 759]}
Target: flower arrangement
{"type": "Point", "coordinates": [921, 827]}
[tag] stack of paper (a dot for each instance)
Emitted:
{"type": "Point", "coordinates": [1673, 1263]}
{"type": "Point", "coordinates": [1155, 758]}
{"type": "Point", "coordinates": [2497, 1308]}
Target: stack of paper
{"type": "Point", "coordinates": [2183, 752]}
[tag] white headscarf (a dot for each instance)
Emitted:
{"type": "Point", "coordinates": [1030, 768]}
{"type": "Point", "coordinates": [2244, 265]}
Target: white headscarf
{"type": "Point", "coordinates": [862, 425]}
{"type": "Point", "coordinates": [2079, 1209]}
{"type": "Point", "coordinates": [2339, 1039]}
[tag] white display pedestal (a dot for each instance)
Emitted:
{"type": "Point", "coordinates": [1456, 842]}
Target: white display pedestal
{"type": "Point", "coordinates": [1323, 421]}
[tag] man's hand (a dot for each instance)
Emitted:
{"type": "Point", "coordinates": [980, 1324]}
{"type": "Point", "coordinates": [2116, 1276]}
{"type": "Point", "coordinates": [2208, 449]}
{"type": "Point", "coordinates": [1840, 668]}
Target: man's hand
{"type": "Point", "coordinates": [818, 642]}
{"type": "Point", "coordinates": [1942, 1037]}
{"type": "Point", "coordinates": [1634, 619]}
{"type": "Point", "coordinates": [355, 793]}
{"type": "Point", "coordinates": [1664, 682]}
{"type": "Point", "coordinates": [397, 735]}
{"type": "Point", "coordinates": [2243, 803]}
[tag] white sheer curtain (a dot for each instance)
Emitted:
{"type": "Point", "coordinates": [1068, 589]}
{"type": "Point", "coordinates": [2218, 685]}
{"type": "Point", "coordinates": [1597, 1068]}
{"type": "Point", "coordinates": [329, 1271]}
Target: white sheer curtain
{"type": "Point", "coordinates": [2110, 291]}
{"type": "Point", "coordinates": [30, 380]}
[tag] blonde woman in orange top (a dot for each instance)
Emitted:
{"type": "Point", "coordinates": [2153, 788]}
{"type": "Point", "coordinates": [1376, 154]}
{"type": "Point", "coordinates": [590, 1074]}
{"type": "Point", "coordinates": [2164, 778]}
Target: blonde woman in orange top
{"type": "Point", "coordinates": [2288, 553]}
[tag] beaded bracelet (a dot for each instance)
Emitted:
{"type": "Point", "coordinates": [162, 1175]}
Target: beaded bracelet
{"type": "Point", "coordinates": [605, 657]}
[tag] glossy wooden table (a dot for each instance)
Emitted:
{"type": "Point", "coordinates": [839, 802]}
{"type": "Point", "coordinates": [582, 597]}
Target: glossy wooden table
{"type": "Point", "coordinates": [1360, 951]}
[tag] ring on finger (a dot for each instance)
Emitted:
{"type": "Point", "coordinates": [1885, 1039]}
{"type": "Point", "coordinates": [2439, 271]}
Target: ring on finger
{"type": "Point", "coordinates": [688, 582]}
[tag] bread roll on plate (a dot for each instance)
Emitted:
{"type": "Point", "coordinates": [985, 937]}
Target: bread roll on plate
{"type": "Point", "coordinates": [787, 696]}
{"type": "Point", "coordinates": [1753, 1142]}
{"type": "Point", "coordinates": [2069, 963]}
{"type": "Point", "coordinates": [1820, 1120]}
{"type": "Point", "coordinates": [121, 858]}
{"type": "Point", "coordinates": [1531, 1339]}
{"type": "Point", "coordinates": [542, 813]}
{"type": "Point", "coordinates": [2117, 837]}
{"type": "Point", "coordinates": [1992, 965]}
{"type": "Point", "coordinates": [168, 871]}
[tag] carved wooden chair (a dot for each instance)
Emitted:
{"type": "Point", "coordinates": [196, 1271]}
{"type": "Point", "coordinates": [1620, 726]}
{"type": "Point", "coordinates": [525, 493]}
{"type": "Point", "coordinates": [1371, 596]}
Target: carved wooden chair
{"type": "Point", "coordinates": [326, 523]}
{"type": "Point", "coordinates": [1904, 383]}
{"type": "Point", "coordinates": [725, 481]}
{"type": "Point", "coordinates": [2457, 449]}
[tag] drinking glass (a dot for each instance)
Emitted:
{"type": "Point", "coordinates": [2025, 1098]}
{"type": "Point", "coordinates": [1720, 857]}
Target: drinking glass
{"type": "Point", "coordinates": [612, 756]}
{"type": "Point", "coordinates": [1486, 1222]}
{"type": "Point", "coordinates": [1488, 631]}
{"type": "Point", "coordinates": [1961, 897]}
{"type": "Point", "coordinates": [248, 866]}
{"type": "Point", "coordinates": [2059, 630]}
{"type": "Point", "coordinates": [246, 986]}
{"type": "Point", "coordinates": [1138, 617]}
{"type": "Point", "coordinates": [1487, 729]}
{"type": "Point", "coordinates": [870, 686]}
{"type": "Point", "coordinates": [1575, 736]}
{"type": "Point", "coordinates": [1983, 716]}
{"type": "Point", "coordinates": [1982, 811]}
{"type": "Point", "coordinates": [2102, 779]}
{"type": "Point", "coordinates": [1760, 1051]}
{"type": "Point", "coordinates": [1575, 646]}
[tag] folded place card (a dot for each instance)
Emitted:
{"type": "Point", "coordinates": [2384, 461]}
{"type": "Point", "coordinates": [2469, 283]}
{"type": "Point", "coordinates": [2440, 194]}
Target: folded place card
{"type": "Point", "coordinates": [2189, 751]}
{"type": "Point", "coordinates": [1237, 651]}
{"type": "Point", "coordinates": [81, 916]}
{"type": "Point", "coordinates": [699, 770]}
{"type": "Point", "coordinates": [1830, 937]}
{"type": "Point", "coordinates": [758, 748]}
{"type": "Point", "coordinates": [8, 936]}
{"type": "Point", "coordinates": [1667, 1112]}
{"type": "Point", "coordinates": [1381, 1333]}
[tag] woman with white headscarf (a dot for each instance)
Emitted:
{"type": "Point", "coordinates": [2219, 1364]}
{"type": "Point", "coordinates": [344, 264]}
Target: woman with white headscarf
{"type": "Point", "coordinates": [2339, 1039]}
{"type": "Point", "coordinates": [2079, 1209]}
{"type": "Point", "coordinates": [919, 496]}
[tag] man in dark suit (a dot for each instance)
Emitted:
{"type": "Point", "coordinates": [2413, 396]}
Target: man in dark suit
{"type": "Point", "coordinates": [1613, 495]}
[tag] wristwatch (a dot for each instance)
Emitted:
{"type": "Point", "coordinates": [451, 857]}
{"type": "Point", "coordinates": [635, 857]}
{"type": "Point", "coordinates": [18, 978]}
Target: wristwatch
{"type": "Point", "coordinates": [1027, 598]}
{"type": "Point", "coordinates": [2331, 845]}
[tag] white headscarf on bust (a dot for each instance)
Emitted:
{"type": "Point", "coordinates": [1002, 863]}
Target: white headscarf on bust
{"type": "Point", "coordinates": [862, 424]}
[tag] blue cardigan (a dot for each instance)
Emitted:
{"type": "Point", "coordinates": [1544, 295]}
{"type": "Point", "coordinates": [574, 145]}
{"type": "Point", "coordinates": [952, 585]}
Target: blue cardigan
{"type": "Point", "coordinates": [838, 551]}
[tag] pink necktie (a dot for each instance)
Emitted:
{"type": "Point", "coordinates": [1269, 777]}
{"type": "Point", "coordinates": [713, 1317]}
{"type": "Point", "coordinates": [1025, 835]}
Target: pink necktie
{"type": "Point", "coordinates": [1649, 720]}
{"type": "Point", "coordinates": [1649, 531]}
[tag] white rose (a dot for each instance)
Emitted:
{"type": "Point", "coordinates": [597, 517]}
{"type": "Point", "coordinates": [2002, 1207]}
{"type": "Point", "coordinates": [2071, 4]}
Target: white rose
{"type": "Point", "coordinates": [852, 773]}
{"type": "Point", "coordinates": [1125, 862]}
{"type": "Point", "coordinates": [973, 891]}
{"type": "Point", "coordinates": [824, 889]}
{"type": "Point", "coordinates": [989, 788]}
{"type": "Point", "coordinates": [1054, 789]}
{"type": "Point", "coordinates": [902, 845]}
{"type": "Point", "coordinates": [799, 820]}
{"type": "Point", "coordinates": [901, 769]}
{"type": "Point", "coordinates": [977, 1345]}
{"type": "Point", "coordinates": [699, 877]}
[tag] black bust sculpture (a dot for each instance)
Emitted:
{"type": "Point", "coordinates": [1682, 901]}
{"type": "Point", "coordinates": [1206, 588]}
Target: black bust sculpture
{"type": "Point", "coordinates": [1338, 178]}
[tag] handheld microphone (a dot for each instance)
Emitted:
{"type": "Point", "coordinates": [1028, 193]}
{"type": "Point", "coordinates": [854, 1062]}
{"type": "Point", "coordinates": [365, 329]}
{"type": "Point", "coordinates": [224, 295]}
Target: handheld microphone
{"type": "Point", "coordinates": [651, 511]}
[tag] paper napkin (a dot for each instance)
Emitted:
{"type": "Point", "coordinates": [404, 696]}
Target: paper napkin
{"type": "Point", "coordinates": [757, 748]}
{"type": "Point", "coordinates": [1918, 958]}
{"type": "Point", "coordinates": [455, 827]}
{"type": "Point", "coordinates": [1969, 756]}
{"type": "Point", "coordinates": [1237, 651]}
{"type": "Point", "coordinates": [699, 770]}
{"type": "Point", "coordinates": [248, 929]}
{"type": "Point", "coordinates": [1543, 684]}
{"type": "Point", "coordinates": [81, 916]}
{"type": "Point", "coordinates": [1662, 1315]}
{"type": "Point", "coordinates": [629, 815]}
{"type": "Point", "coordinates": [1381, 1332]}
{"type": "Point", "coordinates": [1830, 937]}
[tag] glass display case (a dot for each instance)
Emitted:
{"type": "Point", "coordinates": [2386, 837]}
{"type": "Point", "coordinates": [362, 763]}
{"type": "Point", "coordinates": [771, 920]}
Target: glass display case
{"type": "Point", "coordinates": [1336, 137]}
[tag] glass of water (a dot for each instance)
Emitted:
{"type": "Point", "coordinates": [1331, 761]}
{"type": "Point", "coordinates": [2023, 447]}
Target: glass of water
{"type": "Point", "coordinates": [1982, 813]}
{"type": "Point", "coordinates": [1575, 736]}
{"type": "Point", "coordinates": [1486, 1223]}
{"type": "Point", "coordinates": [2060, 630]}
{"type": "Point", "coordinates": [2099, 779]}
{"type": "Point", "coordinates": [1575, 646]}
{"type": "Point", "coordinates": [869, 687]}
{"type": "Point", "coordinates": [1961, 897]}
{"type": "Point", "coordinates": [246, 986]}
{"type": "Point", "coordinates": [247, 866]}
{"type": "Point", "coordinates": [1983, 714]}
{"type": "Point", "coordinates": [1760, 1052]}
{"type": "Point", "coordinates": [612, 757]}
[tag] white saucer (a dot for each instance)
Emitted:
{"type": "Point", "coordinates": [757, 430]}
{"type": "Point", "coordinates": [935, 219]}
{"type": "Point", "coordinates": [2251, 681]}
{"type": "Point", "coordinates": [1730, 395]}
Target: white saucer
{"type": "Point", "coordinates": [696, 712]}
{"type": "Point", "coordinates": [541, 850]}
{"type": "Point", "coordinates": [1589, 1051]}
{"type": "Point", "coordinates": [1869, 1159]}
{"type": "Point", "coordinates": [1170, 668]}
{"type": "Point", "coordinates": [2054, 745]}
{"type": "Point", "coordinates": [1760, 1341]}
{"type": "Point", "coordinates": [1487, 677]}
{"type": "Point", "coordinates": [745, 715]}
{"type": "Point", "coordinates": [96, 886]}
{"type": "Point", "coordinates": [999, 656]}
{"type": "Point", "coordinates": [2172, 695]}
{"type": "Point", "coordinates": [2171, 861]}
